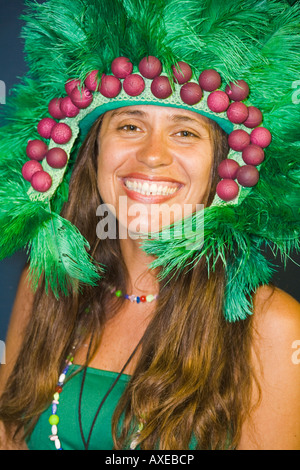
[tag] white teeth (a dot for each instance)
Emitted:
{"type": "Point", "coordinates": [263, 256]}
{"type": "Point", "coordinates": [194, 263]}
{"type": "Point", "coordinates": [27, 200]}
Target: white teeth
{"type": "Point", "coordinates": [151, 189]}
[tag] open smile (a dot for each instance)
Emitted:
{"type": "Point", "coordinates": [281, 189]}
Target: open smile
{"type": "Point", "coordinates": [150, 191]}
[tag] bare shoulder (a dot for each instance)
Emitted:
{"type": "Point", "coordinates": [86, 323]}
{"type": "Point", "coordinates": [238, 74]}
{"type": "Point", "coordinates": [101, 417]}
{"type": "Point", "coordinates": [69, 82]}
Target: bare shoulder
{"type": "Point", "coordinates": [273, 423]}
{"type": "Point", "coordinates": [276, 313]}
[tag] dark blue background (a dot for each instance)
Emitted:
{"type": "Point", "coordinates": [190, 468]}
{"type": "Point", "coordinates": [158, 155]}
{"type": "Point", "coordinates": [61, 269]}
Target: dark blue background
{"type": "Point", "coordinates": [12, 66]}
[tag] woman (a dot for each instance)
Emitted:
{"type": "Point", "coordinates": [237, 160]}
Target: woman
{"type": "Point", "coordinates": [173, 373]}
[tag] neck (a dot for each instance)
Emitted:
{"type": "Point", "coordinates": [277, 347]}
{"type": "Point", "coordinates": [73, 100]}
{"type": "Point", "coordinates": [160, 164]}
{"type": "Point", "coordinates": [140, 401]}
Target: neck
{"type": "Point", "coordinates": [141, 279]}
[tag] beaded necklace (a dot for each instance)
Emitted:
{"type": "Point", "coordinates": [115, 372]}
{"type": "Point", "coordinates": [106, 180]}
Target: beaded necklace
{"type": "Point", "coordinates": [134, 298]}
{"type": "Point", "coordinates": [54, 418]}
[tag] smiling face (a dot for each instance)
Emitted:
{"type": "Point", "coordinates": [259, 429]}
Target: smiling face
{"type": "Point", "coordinates": [157, 158]}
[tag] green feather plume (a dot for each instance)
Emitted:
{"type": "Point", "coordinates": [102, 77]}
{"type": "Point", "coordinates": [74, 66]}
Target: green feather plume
{"type": "Point", "coordinates": [257, 41]}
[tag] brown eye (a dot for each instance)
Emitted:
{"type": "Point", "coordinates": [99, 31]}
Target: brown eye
{"type": "Point", "coordinates": [129, 127]}
{"type": "Point", "coordinates": [186, 134]}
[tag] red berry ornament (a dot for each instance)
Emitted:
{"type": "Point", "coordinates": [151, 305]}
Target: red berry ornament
{"type": "Point", "coordinates": [228, 169]}
{"type": "Point", "coordinates": [237, 91]}
{"type": "Point", "coordinates": [54, 109]}
{"type": "Point", "coordinates": [29, 168]}
{"type": "Point", "coordinates": [61, 133]}
{"type": "Point", "coordinates": [91, 80]}
{"type": "Point", "coordinates": [41, 181]}
{"type": "Point", "coordinates": [182, 72]}
{"type": "Point", "coordinates": [210, 80]}
{"type": "Point", "coordinates": [36, 150]}
{"type": "Point", "coordinates": [57, 158]}
{"type": "Point", "coordinates": [238, 140]}
{"type": "Point", "coordinates": [227, 190]}
{"type": "Point", "coordinates": [70, 85]}
{"type": "Point", "coordinates": [237, 112]}
{"type": "Point", "coordinates": [254, 118]}
{"type": "Point", "coordinates": [68, 107]}
{"type": "Point", "coordinates": [134, 84]}
{"type": "Point", "coordinates": [191, 93]}
{"type": "Point", "coordinates": [218, 101]}
{"type": "Point", "coordinates": [45, 127]}
{"type": "Point", "coordinates": [110, 86]}
{"type": "Point", "coordinates": [121, 67]}
{"type": "Point", "coordinates": [253, 155]}
{"type": "Point", "coordinates": [261, 137]}
{"type": "Point", "coordinates": [150, 67]}
{"type": "Point", "coordinates": [81, 98]}
{"type": "Point", "coordinates": [161, 87]}
{"type": "Point", "coordinates": [248, 176]}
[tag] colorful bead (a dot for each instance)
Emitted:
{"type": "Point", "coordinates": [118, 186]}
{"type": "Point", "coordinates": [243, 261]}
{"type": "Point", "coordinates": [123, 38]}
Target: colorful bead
{"type": "Point", "coordinates": [248, 176]}
{"type": "Point", "coordinates": [29, 168]}
{"type": "Point", "coordinates": [55, 110]}
{"type": "Point", "coordinates": [36, 149]}
{"type": "Point", "coordinates": [70, 85]}
{"type": "Point", "coordinates": [253, 155]}
{"type": "Point", "coordinates": [227, 190]}
{"type": "Point", "coordinates": [68, 107]}
{"type": "Point", "coordinates": [121, 67]}
{"type": "Point", "coordinates": [57, 158]}
{"type": "Point", "coordinates": [261, 137]}
{"type": "Point", "coordinates": [110, 86]}
{"type": "Point", "coordinates": [237, 112]}
{"type": "Point", "coordinates": [45, 127]}
{"type": "Point", "coordinates": [182, 72]}
{"type": "Point", "coordinates": [91, 80]}
{"type": "Point", "coordinates": [218, 101]}
{"type": "Point", "coordinates": [237, 91]}
{"type": "Point", "coordinates": [62, 378]}
{"type": "Point", "coordinates": [150, 67]}
{"type": "Point", "coordinates": [228, 168]}
{"type": "Point", "coordinates": [54, 420]}
{"type": "Point", "coordinates": [150, 298]}
{"type": "Point", "coordinates": [54, 430]}
{"type": "Point", "coordinates": [134, 84]}
{"type": "Point", "coordinates": [118, 293]}
{"type": "Point", "coordinates": [57, 444]}
{"type": "Point", "coordinates": [191, 93]}
{"type": "Point", "coordinates": [238, 140]}
{"type": "Point", "coordinates": [161, 87]}
{"type": "Point", "coordinates": [41, 181]}
{"type": "Point", "coordinates": [61, 133]}
{"type": "Point", "coordinates": [210, 80]}
{"type": "Point", "coordinates": [81, 98]}
{"type": "Point", "coordinates": [255, 117]}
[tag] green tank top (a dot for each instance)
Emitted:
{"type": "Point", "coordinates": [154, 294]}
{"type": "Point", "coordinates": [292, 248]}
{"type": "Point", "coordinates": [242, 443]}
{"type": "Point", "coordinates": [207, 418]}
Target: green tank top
{"type": "Point", "coordinates": [96, 385]}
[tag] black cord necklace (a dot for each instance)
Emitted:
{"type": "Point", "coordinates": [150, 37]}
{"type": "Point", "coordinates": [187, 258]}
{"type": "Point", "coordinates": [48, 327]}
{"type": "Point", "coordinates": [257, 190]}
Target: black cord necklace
{"type": "Point", "coordinates": [86, 443]}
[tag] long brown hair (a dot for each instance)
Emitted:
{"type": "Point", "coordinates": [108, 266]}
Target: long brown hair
{"type": "Point", "coordinates": [193, 377]}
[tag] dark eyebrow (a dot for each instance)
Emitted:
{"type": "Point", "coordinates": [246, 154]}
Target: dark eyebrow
{"type": "Point", "coordinates": [183, 118]}
{"type": "Point", "coordinates": [134, 112]}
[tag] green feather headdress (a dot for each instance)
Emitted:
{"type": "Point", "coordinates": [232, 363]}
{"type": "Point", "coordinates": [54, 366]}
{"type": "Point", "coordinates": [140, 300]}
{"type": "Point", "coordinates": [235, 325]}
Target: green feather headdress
{"type": "Point", "coordinates": [254, 41]}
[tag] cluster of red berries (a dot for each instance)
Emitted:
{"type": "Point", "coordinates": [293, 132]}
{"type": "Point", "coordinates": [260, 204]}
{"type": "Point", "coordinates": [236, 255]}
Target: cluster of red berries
{"type": "Point", "coordinates": [191, 93]}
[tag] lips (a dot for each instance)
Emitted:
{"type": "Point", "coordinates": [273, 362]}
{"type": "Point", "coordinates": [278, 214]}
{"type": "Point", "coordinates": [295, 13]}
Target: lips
{"type": "Point", "coordinates": [150, 189]}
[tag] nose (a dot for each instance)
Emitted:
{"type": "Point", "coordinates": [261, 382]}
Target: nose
{"type": "Point", "coordinates": [154, 151]}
